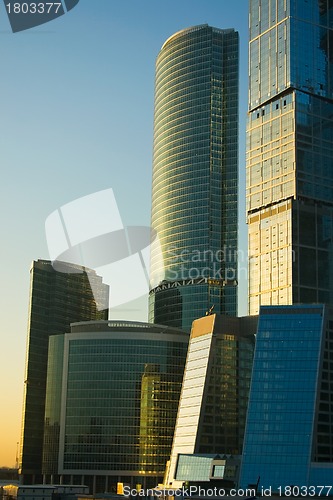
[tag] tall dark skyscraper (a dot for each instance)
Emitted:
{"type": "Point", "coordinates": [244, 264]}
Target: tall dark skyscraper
{"type": "Point", "coordinates": [56, 300]}
{"type": "Point", "coordinates": [195, 177]}
{"type": "Point", "coordinates": [288, 437]}
{"type": "Point", "coordinates": [290, 152]}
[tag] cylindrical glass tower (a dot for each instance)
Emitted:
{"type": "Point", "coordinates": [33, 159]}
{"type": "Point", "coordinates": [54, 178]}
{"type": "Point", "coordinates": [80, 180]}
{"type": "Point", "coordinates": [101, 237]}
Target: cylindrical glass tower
{"type": "Point", "coordinates": [112, 396]}
{"type": "Point", "coordinates": [195, 177]}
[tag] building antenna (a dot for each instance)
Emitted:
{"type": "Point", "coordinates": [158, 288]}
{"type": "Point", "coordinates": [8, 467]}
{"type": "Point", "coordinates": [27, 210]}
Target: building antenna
{"type": "Point", "coordinates": [210, 311]}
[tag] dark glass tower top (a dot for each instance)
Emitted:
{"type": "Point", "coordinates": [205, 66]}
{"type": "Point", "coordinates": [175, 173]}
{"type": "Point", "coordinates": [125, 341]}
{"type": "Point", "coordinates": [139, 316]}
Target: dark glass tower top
{"type": "Point", "coordinates": [292, 40]}
{"type": "Point", "coordinates": [195, 176]}
{"type": "Point", "coordinates": [56, 300]}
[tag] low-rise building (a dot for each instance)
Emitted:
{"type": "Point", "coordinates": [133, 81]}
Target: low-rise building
{"type": "Point", "coordinates": [50, 492]}
{"type": "Point", "coordinates": [112, 396]}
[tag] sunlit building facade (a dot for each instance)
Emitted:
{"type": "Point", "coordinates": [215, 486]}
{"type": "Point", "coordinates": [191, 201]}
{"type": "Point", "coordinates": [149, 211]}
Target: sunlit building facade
{"type": "Point", "coordinates": [290, 152]}
{"type": "Point", "coordinates": [213, 402]}
{"type": "Point", "coordinates": [195, 177]}
{"type": "Point", "coordinates": [56, 299]}
{"type": "Point", "coordinates": [111, 403]}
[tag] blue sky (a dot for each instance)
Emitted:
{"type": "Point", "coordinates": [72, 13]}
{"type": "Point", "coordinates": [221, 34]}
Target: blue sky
{"type": "Point", "coordinates": [77, 117]}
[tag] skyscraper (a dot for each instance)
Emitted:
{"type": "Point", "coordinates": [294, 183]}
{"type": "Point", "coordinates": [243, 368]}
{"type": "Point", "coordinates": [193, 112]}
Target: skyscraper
{"type": "Point", "coordinates": [56, 300]}
{"type": "Point", "coordinates": [290, 152]}
{"type": "Point", "coordinates": [288, 438]}
{"type": "Point", "coordinates": [195, 177]}
{"type": "Point", "coordinates": [213, 402]}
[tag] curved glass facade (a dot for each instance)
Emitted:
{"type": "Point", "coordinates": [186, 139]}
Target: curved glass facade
{"type": "Point", "coordinates": [195, 176]}
{"type": "Point", "coordinates": [111, 412]}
